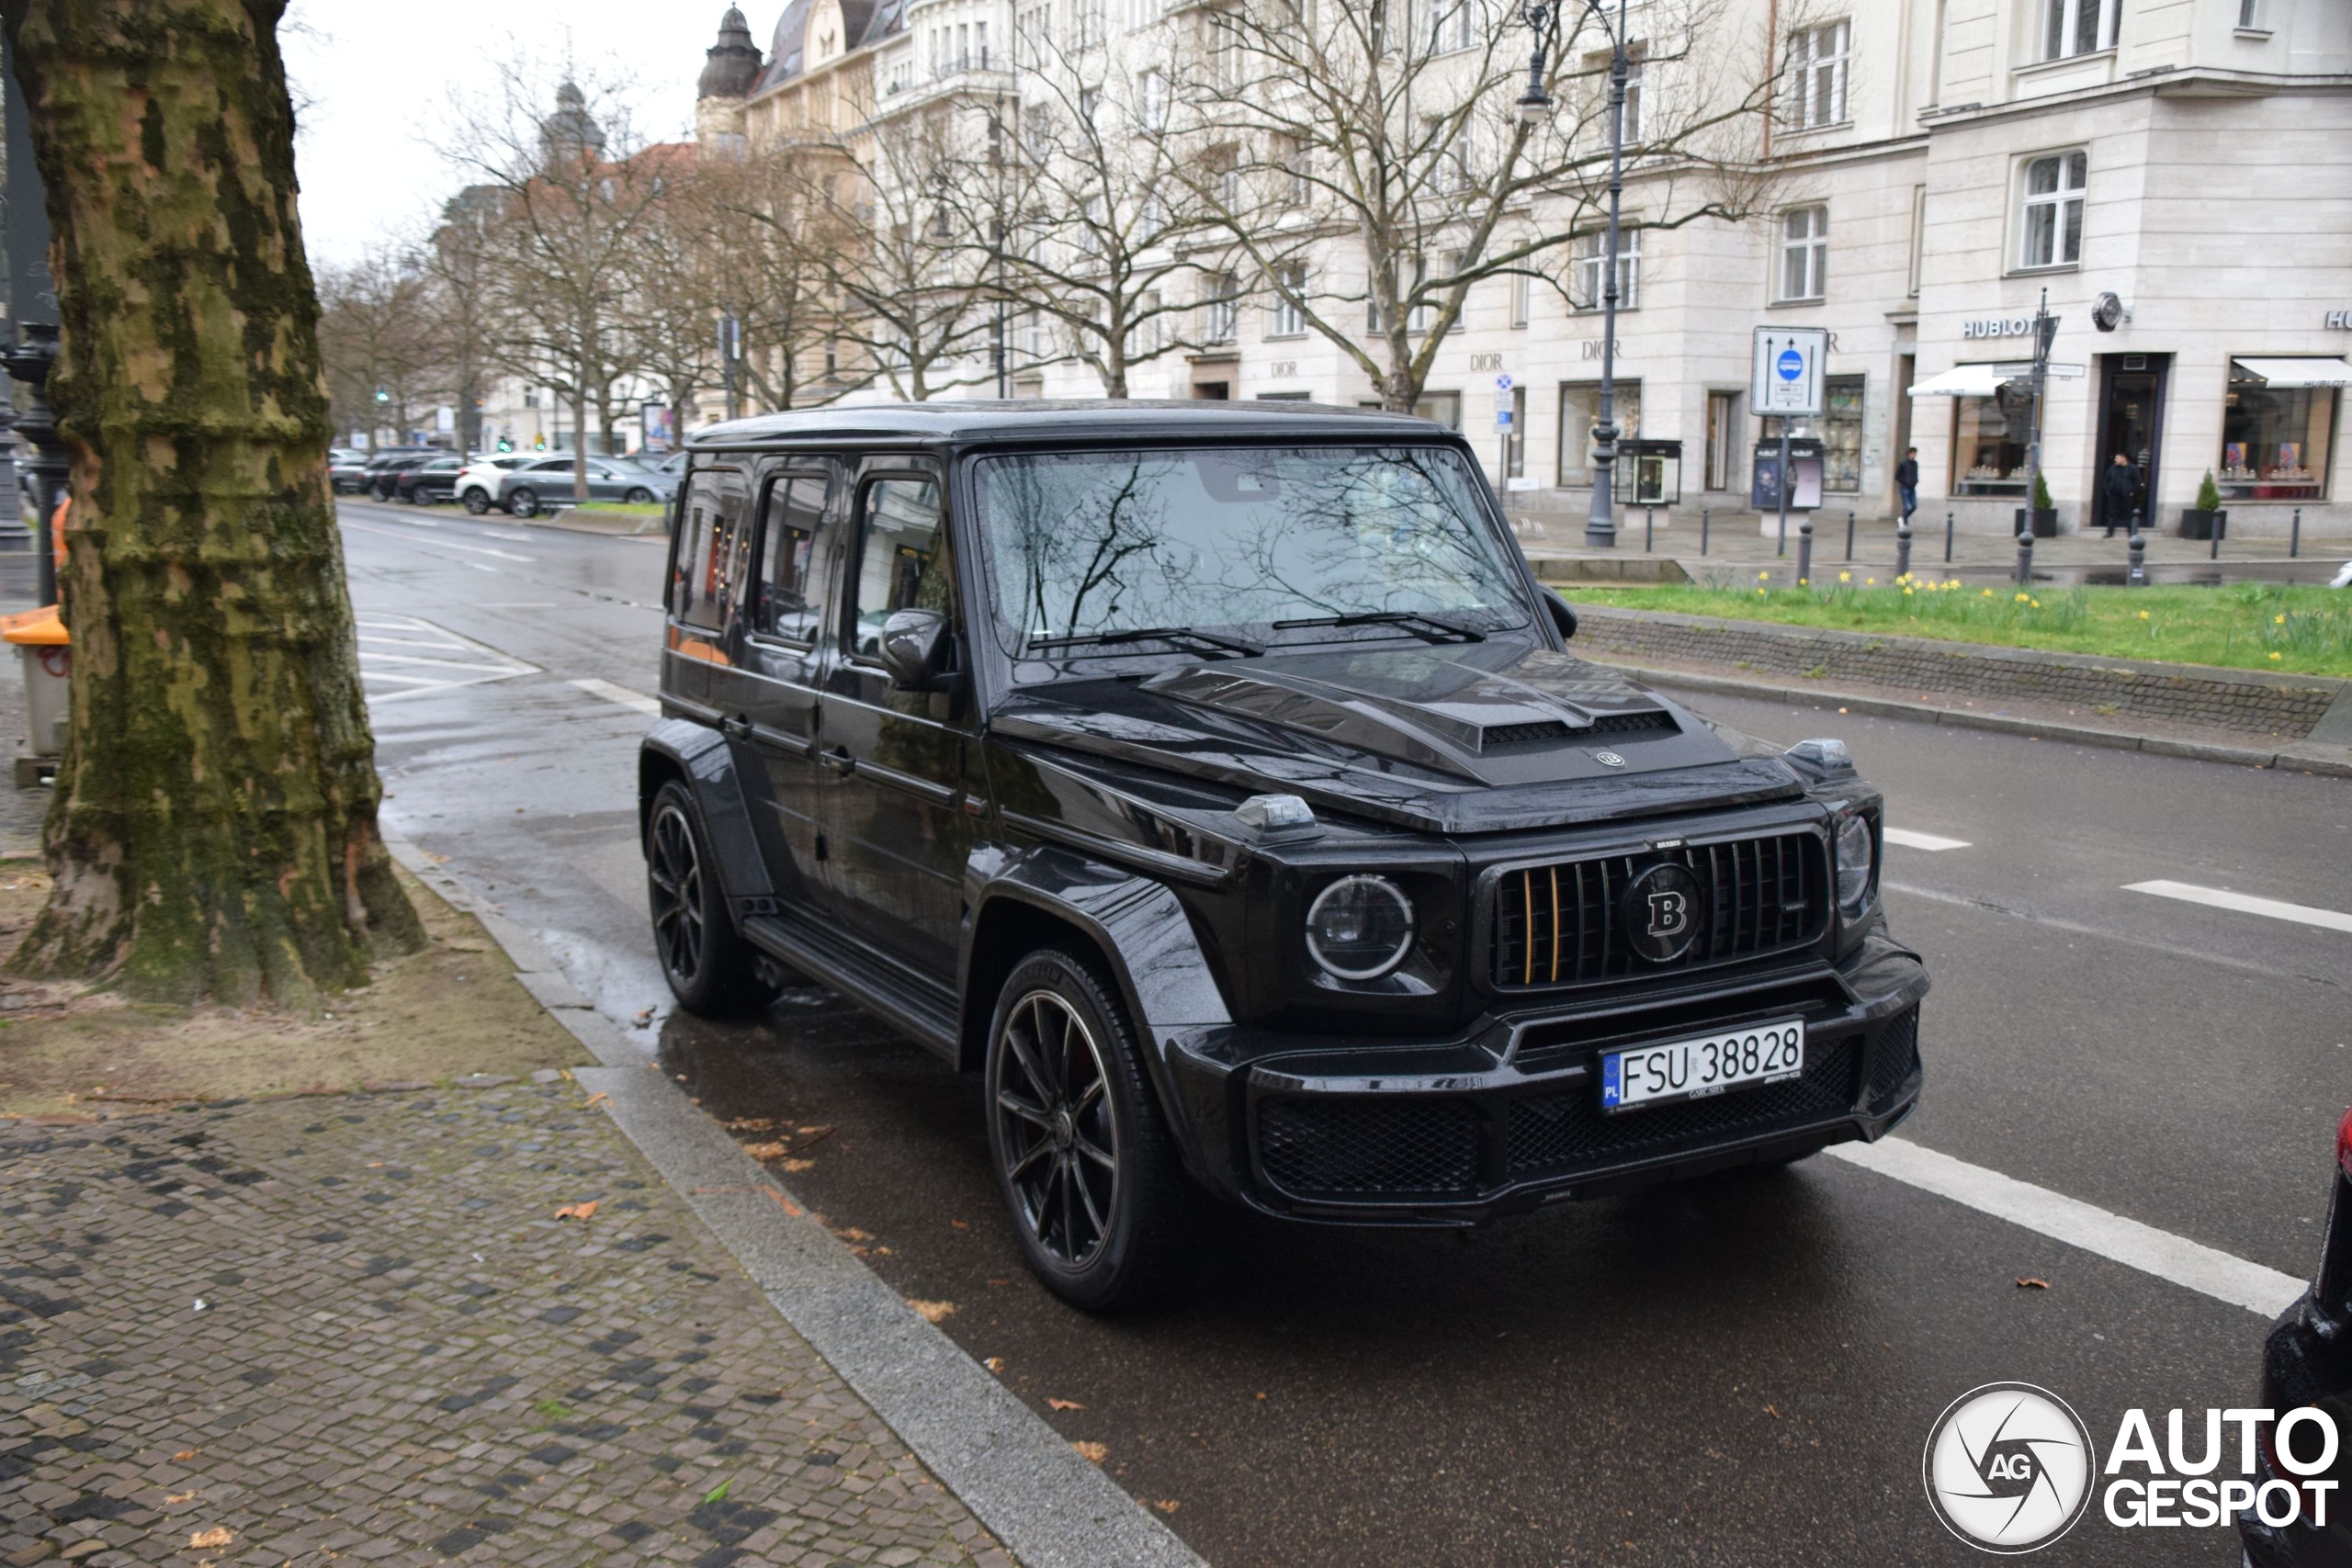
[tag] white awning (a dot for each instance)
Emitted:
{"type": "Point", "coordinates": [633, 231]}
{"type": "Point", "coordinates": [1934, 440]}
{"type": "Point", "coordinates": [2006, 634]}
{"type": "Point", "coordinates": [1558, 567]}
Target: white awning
{"type": "Point", "coordinates": [1962, 381]}
{"type": "Point", "coordinates": [2286, 375]}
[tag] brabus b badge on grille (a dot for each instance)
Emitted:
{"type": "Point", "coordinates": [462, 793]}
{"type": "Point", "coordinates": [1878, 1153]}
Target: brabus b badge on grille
{"type": "Point", "coordinates": [1662, 912]}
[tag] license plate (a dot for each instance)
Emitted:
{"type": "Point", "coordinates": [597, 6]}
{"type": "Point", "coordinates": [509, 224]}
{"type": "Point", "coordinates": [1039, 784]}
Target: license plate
{"type": "Point", "coordinates": [1693, 1069]}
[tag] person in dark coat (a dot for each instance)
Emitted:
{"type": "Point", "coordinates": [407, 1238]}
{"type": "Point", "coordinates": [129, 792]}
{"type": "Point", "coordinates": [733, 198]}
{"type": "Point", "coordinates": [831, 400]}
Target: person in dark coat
{"type": "Point", "coordinates": [2119, 487]}
{"type": "Point", "coordinates": [1906, 482]}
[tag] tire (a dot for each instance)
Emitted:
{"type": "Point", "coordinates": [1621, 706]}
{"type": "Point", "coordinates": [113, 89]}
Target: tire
{"type": "Point", "coordinates": [477, 501]}
{"type": "Point", "coordinates": [707, 964]}
{"type": "Point", "coordinates": [524, 503]}
{"type": "Point", "coordinates": [382, 492]}
{"type": "Point", "coordinates": [640, 496]}
{"type": "Point", "coordinates": [1087, 1167]}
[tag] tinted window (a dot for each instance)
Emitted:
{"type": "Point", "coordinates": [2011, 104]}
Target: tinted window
{"type": "Point", "coordinates": [902, 560]}
{"type": "Point", "coordinates": [790, 604]}
{"type": "Point", "coordinates": [550, 466]}
{"type": "Point", "coordinates": [713, 539]}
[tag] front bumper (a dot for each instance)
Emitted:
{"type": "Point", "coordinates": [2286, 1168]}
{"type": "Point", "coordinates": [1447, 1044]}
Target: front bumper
{"type": "Point", "coordinates": [1509, 1118]}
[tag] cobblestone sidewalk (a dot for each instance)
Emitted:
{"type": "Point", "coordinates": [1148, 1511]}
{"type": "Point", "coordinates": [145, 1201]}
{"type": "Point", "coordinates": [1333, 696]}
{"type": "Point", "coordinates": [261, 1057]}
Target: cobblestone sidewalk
{"type": "Point", "coordinates": [353, 1328]}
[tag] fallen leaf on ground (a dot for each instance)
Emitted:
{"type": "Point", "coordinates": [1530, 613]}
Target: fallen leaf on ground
{"type": "Point", "coordinates": [1168, 1505]}
{"type": "Point", "coordinates": [178, 1496]}
{"type": "Point", "coordinates": [375, 1164]}
{"type": "Point", "coordinates": [795, 1167]}
{"type": "Point", "coordinates": [1772, 1413]}
{"type": "Point", "coordinates": [851, 1232]}
{"type": "Point", "coordinates": [994, 1363]}
{"type": "Point", "coordinates": [645, 1018]}
{"type": "Point", "coordinates": [594, 1100]}
{"type": "Point", "coordinates": [186, 1454]}
{"type": "Point", "coordinates": [1093, 1453]}
{"type": "Point", "coordinates": [718, 1492]}
{"type": "Point", "coordinates": [1000, 1282]}
{"type": "Point", "coordinates": [2030, 1283]}
{"type": "Point", "coordinates": [788, 1206]}
{"type": "Point", "coordinates": [959, 1224]}
{"type": "Point", "coordinates": [750, 1124]}
{"type": "Point", "coordinates": [217, 1536]}
{"type": "Point", "coordinates": [1064, 1405]}
{"type": "Point", "coordinates": [576, 1212]}
{"type": "Point", "coordinates": [812, 1133]}
{"type": "Point", "coordinates": [766, 1151]}
{"type": "Point", "coordinates": [932, 1311]}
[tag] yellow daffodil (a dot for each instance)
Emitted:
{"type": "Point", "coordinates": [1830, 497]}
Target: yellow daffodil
{"type": "Point", "coordinates": [2277, 620]}
{"type": "Point", "coordinates": [2144, 614]}
{"type": "Point", "coordinates": [2277, 656]}
{"type": "Point", "coordinates": [1907, 593]}
{"type": "Point", "coordinates": [2023, 597]}
{"type": "Point", "coordinates": [1845, 577]}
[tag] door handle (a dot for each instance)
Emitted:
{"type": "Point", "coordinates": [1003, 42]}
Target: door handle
{"type": "Point", "coordinates": [736, 727]}
{"type": "Point", "coordinates": [839, 760]}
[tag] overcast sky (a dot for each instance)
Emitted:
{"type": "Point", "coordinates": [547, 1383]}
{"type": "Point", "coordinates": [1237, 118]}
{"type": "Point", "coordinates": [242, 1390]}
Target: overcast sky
{"type": "Point", "coordinates": [372, 83]}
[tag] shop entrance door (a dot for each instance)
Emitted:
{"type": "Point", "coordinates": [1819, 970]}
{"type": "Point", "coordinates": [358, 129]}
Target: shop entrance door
{"type": "Point", "coordinates": [2130, 421]}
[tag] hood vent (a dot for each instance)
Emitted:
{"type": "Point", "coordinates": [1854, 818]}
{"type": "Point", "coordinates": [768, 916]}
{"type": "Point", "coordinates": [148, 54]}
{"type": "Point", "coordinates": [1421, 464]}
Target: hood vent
{"type": "Point", "coordinates": [1545, 732]}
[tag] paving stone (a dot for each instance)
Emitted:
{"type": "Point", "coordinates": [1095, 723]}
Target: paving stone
{"type": "Point", "coordinates": [403, 1358]}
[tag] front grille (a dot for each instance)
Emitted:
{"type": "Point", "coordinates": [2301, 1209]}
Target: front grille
{"type": "Point", "coordinates": [1556, 925]}
{"type": "Point", "coordinates": [1895, 1055]}
{"type": "Point", "coordinates": [1324, 1148]}
{"type": "Point", "coordinates": [1565, 1132]}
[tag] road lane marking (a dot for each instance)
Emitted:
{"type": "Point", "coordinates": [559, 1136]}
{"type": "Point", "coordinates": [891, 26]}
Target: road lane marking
{"type": "Point", "coordinates": [1911, 841]}
{"type": "Point", "coordinates": [621, 695]}
{"type": "Point", "coordinates": [2191, 1264]}
{"type": "Point", "coordinates": [2170, 950]}
{"type": "Point", "coordinates": [432, 658]}
{"type": "Point", "coordinates": [446, 544]}
{"type": "Point", "coordinates": [2245, 904]}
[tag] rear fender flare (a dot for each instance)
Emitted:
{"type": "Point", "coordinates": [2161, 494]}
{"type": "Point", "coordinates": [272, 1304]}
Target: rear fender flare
{"type": "Point", "coordinates": [679, 748]}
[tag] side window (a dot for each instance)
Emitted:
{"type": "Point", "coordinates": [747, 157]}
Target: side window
{"type": "Point", "coordinates": [713, 540]}
{"type": "Point", "coordinates": [902, 561]}
{"type": "Point", "coordinates": [790, 604]}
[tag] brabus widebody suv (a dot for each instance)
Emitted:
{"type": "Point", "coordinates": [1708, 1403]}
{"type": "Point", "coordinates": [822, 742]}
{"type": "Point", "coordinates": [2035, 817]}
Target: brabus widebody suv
{"type": "Point", "coordinates": [1215, 781]}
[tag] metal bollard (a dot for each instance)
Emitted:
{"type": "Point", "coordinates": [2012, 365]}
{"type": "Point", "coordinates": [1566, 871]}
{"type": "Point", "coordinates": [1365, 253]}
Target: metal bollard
{"type": "Point", "coordinates": [1649, 529]}
{"type": "Point", "coordinates": [1849, 535]}
{"type": "Point", "coordinates": [2295, 536]}
{"type": "Point", "coordinates": [1705, 514]}
{"type": "Point", "coordinates": [1902, 548]}
{"type": "Point", "coordinates": [2213, 531]}
{"type": "Point", "coordinates": [2025, 557]}
{"type": "Point", "coordinates": [2138, 576]}
{"type": "Point", "coordinates": [1804, 551]}
{"type": "Point", "coordinates": [1948, 526]}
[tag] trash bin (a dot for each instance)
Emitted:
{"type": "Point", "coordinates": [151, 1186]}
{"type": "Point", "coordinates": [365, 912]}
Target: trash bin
{"type": "Point", "coordinates": [46, 659]}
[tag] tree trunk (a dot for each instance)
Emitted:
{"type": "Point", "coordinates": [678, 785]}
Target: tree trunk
{"type": "Point", "coordinates": [213, 832]}
{"type": "Point", "coordinates": [580, 448]}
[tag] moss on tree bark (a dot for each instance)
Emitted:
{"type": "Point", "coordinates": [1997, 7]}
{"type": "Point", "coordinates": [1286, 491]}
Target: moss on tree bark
{"type": "Point", "coordinates": [214, 830]}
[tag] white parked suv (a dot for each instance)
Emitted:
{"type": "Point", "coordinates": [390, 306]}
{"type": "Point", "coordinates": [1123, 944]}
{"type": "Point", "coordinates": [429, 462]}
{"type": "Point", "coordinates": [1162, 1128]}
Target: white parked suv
{"type": "Point", "coordinates": [477, 484]}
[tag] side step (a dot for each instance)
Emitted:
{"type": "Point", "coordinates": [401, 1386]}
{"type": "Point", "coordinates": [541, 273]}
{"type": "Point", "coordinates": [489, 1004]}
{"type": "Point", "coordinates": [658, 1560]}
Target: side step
{"type": "Point", "coordinates": [919, 1006]}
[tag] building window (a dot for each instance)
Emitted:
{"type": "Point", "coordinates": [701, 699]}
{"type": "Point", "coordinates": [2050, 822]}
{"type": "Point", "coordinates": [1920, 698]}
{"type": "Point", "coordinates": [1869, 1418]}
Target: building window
{"type": "Point", "coordinates": [1918, 234]}
{"type": "Point", "coordinates": [1515, 444]}
{"type": "Point", "coordinates": [1448, 26]}
{"type": "Point", "coordinates": [1151, 100]}
{"type": "Point", "coordinates": [2279, 429]}
{"type": "Point", "coordinates": [1817, 75]}
{"type": "Point", "coordinates": [1598, 67]}
{"type": "Point", "coordinates": [1086, 25]}
{"type": "Point", "coordinates": [1290, 296]}
{"type": "Point", "coordinates": [1219, 303]}
{"type": "Point", "coordinates": [1523, 290]}
{"type": "Point", "coordinates": [1585, 277]}
{"type": "Point", "coordinates": [1141, 14]}
{"type": "Point", "coordinates": [1034, 30]}
{"type": "Point", "coordinates": [2053, 210]}
{"type": "Point", "coordinates": [1579, 412]}
{"type": "Point", "coordinates": [1841, 433]}
{"type": "Point", "coordinates": [2250, 15]}
{"type": "Point", "coordinates": [2077, 27]}
{"type": "Point", "coordinates": [1988, 437]}
{"type": "Point", "coordinates": [1292, 166]}
{"type": "Point", "coordinates": [1804, 253]}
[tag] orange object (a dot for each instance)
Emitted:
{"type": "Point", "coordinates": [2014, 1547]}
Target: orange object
{"type": "Point", "coordinates": [35, 628]}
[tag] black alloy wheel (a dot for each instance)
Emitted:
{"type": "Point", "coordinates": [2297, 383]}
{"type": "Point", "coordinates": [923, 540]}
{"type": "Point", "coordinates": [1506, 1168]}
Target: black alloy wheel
{"type": "Point", "coordinates": [1100, 1201]}
{"type": "Point", "coordinates": [524, 503]}
{"type": "Point", "coordinates": [640, 496]}
{"type": "Point", "coordinates": [477, 501]}
{"type": "Point", "coordinates": [708, 965]}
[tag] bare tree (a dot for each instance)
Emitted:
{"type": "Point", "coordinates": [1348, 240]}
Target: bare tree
{"type": "Point", "coordinates": [1365, 159]}
{"type": "Point", "coordinates": [768, 221]}
{"type": "Point", "coordinates": [375, 331]}
{"type": "Point", "coordinates": [460, 264]}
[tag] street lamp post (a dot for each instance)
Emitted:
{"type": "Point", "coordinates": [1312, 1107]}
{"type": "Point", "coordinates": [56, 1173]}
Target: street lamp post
{"type": "Point", "coordinates": [1601, 522]}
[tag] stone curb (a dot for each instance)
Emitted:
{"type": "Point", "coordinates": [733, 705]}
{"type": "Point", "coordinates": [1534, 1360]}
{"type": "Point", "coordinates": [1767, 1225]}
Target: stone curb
{"type": "Point", "coordinates": [1048, 1507]}
{"type": "Point", "coordinates": [2332, 762]}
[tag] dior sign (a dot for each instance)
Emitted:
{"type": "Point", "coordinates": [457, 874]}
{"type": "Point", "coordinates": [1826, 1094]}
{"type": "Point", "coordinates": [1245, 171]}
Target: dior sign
{"type": "Point", "coordinates": [1999, 326]}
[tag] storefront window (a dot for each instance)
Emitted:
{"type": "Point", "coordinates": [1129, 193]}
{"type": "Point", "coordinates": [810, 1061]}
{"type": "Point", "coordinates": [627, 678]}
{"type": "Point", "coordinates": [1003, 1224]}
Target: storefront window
{"type": "Point", "coordinates": [1988, 441]}
{"type": "Point", "coordinates": [1579, 412]}
{"type": "Point", "coordinates": [2278, 437]}
{"type": "Point", "coordinates": [1841, 435]}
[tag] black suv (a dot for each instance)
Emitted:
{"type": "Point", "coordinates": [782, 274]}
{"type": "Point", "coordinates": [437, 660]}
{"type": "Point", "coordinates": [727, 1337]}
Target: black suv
{"type": "Point", "coordinates": [1213, 779]}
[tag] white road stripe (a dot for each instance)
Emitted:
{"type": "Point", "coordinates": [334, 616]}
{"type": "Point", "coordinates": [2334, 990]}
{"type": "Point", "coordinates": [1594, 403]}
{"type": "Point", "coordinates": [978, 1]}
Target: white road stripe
{"type": "Point", "coordinates": [620, 694]}
{"type": "Point", "coordinates": [2192, 1264]}
{"type": "Point", "coordinates": [1911, 841]}
{"type": "Point", "coordinates": [2245, 904]}
{"type": "Point", "coordinates": [446, 544]}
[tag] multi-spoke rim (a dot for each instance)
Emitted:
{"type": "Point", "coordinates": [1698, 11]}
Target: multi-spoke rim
{"type": "Point", "coordinates": [1056, 1136]}
{"type": "Point", "coordinates": [674, 875]}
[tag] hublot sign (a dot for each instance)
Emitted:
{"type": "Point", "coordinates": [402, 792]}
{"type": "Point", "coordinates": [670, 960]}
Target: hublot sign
{"type": "Point", "coordinates": [1999, 326]}
{"type": "Point", "coordinates": [2340, 321]}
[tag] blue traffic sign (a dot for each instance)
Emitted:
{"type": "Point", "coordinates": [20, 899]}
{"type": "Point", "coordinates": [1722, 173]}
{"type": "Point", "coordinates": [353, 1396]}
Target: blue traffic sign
{"type": "Point", "coordinates": [1791, 365]}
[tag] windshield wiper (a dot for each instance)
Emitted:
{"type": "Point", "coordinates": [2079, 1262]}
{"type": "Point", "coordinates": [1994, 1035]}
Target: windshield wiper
{"type": "Point", "coordinates": [1429, 628]}
{"type": "Point", "coordinates": [1215, 641]}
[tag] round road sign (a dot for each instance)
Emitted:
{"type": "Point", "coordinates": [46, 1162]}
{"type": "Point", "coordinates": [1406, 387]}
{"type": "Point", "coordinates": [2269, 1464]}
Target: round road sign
{"type": "Point", "coordinates": [1791, 365]}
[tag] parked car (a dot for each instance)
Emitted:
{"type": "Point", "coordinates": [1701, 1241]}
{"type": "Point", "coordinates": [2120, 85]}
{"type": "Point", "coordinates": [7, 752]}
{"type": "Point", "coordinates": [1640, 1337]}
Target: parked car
{"type": "Point", "coordinates": [436, 479]}
{"type": "Point", "coordinates": [477, 482]}
{"type": "Point", "coordinates": [532, 489]}
{"type": "Point", "coordinates": [354, 473]}
{"type": "Point", "coordinates": [1217, 783]}
{"type": "Point", "coordinates": [385, 471]}
{"type": "Point", "coordinates": [2307, 1362]}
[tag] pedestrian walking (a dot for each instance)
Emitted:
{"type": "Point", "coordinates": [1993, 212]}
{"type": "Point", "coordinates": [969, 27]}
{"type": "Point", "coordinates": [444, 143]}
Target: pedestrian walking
{"type": "Point", "coordinates": [1906, 482]}
{"type": "Point", "coordinates": [2119, 487]}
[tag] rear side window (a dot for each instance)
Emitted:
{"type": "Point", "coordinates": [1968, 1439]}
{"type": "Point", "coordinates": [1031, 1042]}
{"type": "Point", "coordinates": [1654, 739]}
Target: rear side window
{"type": "Point", "coordinates": [790, 603]}
{"type": "Point", "coordinates": [902, 562]}
{"type": "Point", "coordinates": [713, 540]}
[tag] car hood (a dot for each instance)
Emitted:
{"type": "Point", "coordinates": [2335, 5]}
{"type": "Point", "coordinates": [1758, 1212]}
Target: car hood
{"type": "Point", "coordinates": [1458, 738]}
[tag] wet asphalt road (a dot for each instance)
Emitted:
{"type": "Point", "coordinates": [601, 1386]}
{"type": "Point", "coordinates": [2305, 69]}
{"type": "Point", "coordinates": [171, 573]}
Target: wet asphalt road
{"type": "Point", "coordinates": [1741, 1371]}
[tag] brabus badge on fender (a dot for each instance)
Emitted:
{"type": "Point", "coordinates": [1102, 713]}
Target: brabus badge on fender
{"type": "Point", "coordinates": [1608, 759]}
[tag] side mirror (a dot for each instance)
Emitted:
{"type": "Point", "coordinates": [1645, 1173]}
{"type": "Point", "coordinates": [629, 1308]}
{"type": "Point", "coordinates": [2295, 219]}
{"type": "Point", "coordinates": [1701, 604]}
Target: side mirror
{"type": "Point", "coordinates": [1563, 614]}
{"type": "Point", "coordinates": [917, 651]}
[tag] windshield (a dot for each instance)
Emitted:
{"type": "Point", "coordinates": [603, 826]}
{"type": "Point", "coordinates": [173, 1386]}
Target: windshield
{"type": "Point", "coordinates": [1085, 546]}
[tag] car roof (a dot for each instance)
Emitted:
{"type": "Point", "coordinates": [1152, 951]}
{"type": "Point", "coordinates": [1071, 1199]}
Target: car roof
{"type": "Point", "coordinates": [1036, 418]}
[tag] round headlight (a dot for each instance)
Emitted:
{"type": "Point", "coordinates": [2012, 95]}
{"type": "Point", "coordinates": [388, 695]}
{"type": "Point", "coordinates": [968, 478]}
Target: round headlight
{"type": "Point", "coordinates": [1360, 928]}
{"type": "Point", "coordinates": [1853, 860]}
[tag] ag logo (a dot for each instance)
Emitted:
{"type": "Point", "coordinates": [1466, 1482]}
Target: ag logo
{"type": "Point", "coordinates": [2009, 1468]}
{"type": "Point", "coordinates": [1662, 912]}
